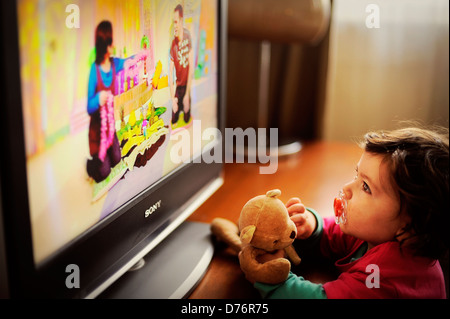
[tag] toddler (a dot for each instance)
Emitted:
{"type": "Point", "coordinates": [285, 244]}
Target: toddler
{"type": "Point", "coordinates": [391, 229]}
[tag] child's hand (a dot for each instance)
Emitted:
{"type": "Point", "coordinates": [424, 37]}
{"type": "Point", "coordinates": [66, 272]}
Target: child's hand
{"type": "Point", "coordinates": [303, 219]}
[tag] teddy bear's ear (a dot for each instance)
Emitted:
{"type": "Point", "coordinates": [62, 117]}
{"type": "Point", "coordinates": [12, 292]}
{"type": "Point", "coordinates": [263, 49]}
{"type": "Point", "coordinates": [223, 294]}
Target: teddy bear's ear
{"type": "Point", "coordinates": [247, 234]}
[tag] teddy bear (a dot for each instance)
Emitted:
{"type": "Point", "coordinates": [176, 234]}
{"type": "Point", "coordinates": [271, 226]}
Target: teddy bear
{"type": "Point", "coordinates": [264, 227]}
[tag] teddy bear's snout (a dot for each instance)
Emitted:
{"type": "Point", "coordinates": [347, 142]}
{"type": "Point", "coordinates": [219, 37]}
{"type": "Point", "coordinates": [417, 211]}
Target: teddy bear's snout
{"type": "Point", "coordinates": [293, 234]}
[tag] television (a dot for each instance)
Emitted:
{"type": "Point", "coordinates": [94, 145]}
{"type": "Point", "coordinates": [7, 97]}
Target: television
{"type": "Point", "coordinates": [111, 114]}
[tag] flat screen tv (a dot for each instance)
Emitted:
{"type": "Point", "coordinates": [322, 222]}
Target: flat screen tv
{"type": "Point", "coordinates": [110, 115]}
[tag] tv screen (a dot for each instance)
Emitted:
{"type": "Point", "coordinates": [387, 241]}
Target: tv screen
{"type": "Point", "coordinates": [111, 107]}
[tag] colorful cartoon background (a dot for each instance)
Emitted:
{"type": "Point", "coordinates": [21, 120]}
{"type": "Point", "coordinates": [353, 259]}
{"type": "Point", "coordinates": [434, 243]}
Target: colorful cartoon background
{"type": "Point", "coordinates": [55, 63]}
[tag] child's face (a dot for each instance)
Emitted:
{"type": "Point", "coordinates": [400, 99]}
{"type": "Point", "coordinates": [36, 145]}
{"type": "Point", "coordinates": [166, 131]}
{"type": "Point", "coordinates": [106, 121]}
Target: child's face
{"type": "Point", "coordinates": [373, 211]}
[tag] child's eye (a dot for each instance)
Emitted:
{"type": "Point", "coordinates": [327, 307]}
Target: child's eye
{"type": "Point", "coordinates": [366, 188]}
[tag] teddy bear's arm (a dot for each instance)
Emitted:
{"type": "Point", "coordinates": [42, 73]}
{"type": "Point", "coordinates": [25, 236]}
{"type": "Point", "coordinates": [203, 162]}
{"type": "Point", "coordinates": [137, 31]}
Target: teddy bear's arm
{"type": "Point", "coordinates": [227, 231]}
{"type": "Point", "coordinates": [271, 272]}
{"type": "Point", "coordinates": [292, 255]}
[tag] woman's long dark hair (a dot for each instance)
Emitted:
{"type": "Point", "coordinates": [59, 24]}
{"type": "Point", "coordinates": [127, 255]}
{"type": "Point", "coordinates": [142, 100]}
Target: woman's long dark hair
{"type": "Point", "coordinates": [103, 39]}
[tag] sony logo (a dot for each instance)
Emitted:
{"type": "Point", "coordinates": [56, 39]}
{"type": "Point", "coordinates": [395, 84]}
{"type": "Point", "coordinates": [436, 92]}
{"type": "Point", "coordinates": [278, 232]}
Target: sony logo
{"type": "Point", "coordinates": [152, 208]}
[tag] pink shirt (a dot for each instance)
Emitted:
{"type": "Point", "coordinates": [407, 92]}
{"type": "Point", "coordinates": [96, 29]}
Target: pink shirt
{"type": "Point", "coordinates": [398, 273]}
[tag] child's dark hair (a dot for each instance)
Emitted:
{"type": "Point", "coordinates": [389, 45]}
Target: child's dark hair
{"type": "Point", "coordinates": [419, 162]}
{"type": "Point", "coordinates": [103, 39]}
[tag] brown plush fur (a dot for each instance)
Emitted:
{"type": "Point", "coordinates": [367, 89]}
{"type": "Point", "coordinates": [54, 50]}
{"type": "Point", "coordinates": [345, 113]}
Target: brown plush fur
{"type": "Point", "coordinates": [264, 226]}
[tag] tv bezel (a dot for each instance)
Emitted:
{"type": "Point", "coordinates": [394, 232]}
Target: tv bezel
{"type": "Point", "coordinates": [106, 249]}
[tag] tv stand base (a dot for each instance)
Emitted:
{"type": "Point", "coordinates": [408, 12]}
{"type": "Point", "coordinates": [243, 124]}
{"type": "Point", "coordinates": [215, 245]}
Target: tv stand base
{"type": "Point", "coordinates": [171, 270]}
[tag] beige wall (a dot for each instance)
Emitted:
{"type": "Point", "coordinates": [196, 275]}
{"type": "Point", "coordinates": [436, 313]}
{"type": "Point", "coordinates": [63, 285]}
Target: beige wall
{"type": "Point", "coordinates": [380, 76]}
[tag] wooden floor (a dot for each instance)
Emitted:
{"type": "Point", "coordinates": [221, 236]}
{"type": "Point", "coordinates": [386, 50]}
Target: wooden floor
{"type": "Point", "coordinates": [315, 175]}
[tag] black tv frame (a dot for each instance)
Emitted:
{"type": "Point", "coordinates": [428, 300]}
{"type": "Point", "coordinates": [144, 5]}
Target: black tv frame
{"type": "Point", "coordinates": [106, 248]}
